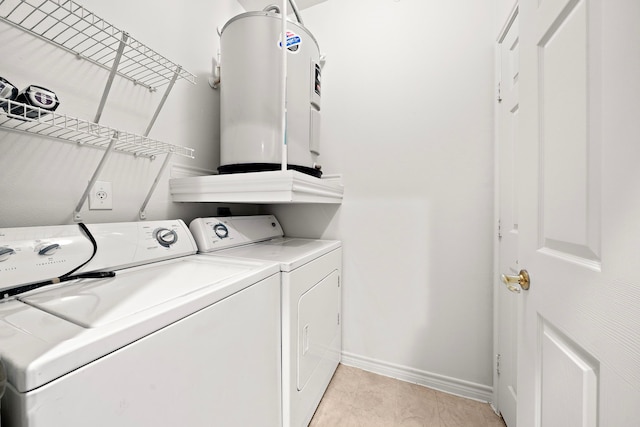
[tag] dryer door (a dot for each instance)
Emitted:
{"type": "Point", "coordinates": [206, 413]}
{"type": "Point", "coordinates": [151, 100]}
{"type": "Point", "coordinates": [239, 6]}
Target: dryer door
{"type": "Point", "coordinates": [318, 327]}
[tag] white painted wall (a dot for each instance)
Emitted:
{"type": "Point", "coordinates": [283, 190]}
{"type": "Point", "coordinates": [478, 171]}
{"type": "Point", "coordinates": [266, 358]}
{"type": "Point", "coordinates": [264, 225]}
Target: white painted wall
{"type": "Point", "coordinates": [42, 179]}
{"type": "Point", "coordinates": [407, 119]}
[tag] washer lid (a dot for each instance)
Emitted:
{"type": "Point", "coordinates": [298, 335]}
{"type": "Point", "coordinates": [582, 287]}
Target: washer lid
{"type": "Point", "coordinates": [290, 252]}
{"type": "Point", "coordinates": [92, 303]}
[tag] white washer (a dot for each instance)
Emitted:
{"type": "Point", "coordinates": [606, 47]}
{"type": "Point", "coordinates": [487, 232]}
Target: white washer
{"type": "Point", "coordinates": [311, 301]}
{"type": "Point", "coordinates": [173, 339]}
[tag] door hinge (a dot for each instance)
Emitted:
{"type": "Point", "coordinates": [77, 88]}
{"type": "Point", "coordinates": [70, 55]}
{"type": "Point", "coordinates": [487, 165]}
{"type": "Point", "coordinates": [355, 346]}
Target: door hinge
{"type": "Point", "coordinates": [498, 364]}
{"type": "Point", "coordinates": [499, 92]}
{"type": "Point", "coordinates": [338, 318]}
{"type": "Point", "coordinates": [499, 229]}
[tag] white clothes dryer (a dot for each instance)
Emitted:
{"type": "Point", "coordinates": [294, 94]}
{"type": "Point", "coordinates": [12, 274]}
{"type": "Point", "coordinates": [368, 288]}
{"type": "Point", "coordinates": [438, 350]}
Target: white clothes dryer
{"type": "Point", "coordinates": [174, 338]}
{"type": "Point", "coordinates": [311, 273]}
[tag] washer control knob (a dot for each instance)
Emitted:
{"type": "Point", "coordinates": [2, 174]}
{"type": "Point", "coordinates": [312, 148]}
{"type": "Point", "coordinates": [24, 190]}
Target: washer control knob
{"type": "Point", "coordinates": [165, 237]}
{"type": "Point", "coordinates": [221, 230]}
{"type": "Point", "coordinates": [5, 253]}
{"type": "Point", "coordinates": [47, 249]}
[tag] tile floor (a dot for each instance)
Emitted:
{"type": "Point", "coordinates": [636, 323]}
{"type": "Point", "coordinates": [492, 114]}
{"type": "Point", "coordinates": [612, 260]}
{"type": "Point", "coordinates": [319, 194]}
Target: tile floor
{"type": "Point", "coordinates": [359, 398]}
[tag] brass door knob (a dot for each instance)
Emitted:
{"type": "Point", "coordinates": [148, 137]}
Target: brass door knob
{"type": "Point", "coordinates": [521, 279]}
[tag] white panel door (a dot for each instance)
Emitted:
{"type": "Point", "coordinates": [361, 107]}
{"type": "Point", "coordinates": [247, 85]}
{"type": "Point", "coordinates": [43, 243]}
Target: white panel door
{"type": "Point", "coordinates": [507, 300]}
{"type": "Point", "coordinates": [579, 217]}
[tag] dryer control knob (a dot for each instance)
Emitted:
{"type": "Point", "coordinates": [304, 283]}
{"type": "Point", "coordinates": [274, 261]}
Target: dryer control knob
{"type": "Point", "coordinates": [221, 230]}
{"type": "Point", "coordinates": [165, 237]}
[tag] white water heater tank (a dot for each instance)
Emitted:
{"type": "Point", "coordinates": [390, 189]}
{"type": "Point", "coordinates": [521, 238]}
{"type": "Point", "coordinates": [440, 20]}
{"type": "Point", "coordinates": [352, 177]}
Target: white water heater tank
{"type": "Point", "coordinates": [250, 95]}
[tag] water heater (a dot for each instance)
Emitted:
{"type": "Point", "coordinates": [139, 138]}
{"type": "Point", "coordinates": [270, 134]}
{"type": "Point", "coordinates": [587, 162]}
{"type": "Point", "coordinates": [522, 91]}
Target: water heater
{"type": "Point", "coordinates": [250, 95]}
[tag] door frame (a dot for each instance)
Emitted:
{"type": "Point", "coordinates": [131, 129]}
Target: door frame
{"type": "Point", "coordinates": [506, 25]}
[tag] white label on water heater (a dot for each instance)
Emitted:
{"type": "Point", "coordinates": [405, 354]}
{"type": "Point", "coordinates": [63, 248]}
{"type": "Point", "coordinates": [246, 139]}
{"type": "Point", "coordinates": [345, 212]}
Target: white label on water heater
{"type": "Point", "coordinates": [293, 42]}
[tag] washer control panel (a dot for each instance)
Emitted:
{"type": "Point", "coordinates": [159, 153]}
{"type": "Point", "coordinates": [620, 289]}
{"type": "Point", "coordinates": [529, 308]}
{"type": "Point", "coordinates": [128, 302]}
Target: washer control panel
{"type": "Point", "coordinates": [34, 254]}
{"type": "Point", "coordinates": [212, 234]}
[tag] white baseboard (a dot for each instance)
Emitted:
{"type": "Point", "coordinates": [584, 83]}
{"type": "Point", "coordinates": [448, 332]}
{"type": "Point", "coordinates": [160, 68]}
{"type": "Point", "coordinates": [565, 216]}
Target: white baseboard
{"type": "Point", "coordinates": [443, 383]}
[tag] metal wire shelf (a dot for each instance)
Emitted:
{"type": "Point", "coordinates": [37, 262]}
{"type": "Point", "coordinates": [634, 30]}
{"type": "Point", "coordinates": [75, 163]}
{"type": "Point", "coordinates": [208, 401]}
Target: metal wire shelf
{"type": "Point", "coordinates": [77, 30]}
{"type": "Point", "coordinates": [60, 126]}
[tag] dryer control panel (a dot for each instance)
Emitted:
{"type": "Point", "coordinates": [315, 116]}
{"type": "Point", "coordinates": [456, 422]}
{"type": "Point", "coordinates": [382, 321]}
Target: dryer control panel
{"type": "Point", "coordinates": [212, 234]}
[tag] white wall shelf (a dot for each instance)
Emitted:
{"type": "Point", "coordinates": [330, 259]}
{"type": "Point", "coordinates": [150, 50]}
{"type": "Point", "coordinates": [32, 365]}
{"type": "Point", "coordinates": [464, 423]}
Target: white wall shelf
{"type": "Point", "coordinates": [71, 27]}
{"type": "Point", "coordinates": [83, 132]}
{"type": "Point", "coordinates": [258, 187]}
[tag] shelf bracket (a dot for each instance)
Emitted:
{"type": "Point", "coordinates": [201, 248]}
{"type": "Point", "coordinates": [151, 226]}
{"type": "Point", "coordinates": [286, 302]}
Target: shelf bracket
{"type": "Point", "coordinates": [176, 74]}
{"type": "Point", "coordinates": [142, 213]}
{"type": "Point", "coordinates": [76, 213]}
{"type": "Point", "coordinates": [112, 74]}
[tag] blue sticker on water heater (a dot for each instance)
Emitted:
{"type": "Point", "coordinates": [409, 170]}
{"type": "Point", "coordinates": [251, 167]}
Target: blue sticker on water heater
{"type": "Point", "coordinates": [293, 42]}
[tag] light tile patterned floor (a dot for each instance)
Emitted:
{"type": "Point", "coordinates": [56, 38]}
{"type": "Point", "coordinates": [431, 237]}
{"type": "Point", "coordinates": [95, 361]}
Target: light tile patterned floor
{"type": "Point", "coordinates": [358, 398]}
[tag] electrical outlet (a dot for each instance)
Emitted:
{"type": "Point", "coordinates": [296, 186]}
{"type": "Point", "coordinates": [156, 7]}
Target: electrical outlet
{"type": "Point", "coordinates": [101, 196]}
